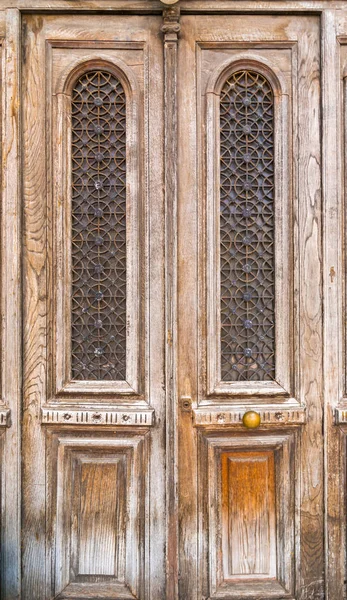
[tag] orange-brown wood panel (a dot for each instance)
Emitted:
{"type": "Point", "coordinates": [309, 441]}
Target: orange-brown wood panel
{"type": "Point", "coordinates": [248, 514]}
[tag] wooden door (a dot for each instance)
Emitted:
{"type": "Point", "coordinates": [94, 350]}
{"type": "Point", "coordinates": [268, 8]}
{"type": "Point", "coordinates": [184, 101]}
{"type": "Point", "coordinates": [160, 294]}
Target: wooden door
{"type": "Point", "coordinates": [249, 307]}
{"type": "Point", "coordinates": [169, 264]}
{"type": "Point", "coordinates": [94, 400]}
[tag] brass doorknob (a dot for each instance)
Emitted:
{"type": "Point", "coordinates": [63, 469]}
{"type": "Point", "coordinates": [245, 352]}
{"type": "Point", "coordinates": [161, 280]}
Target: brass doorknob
{"type": "Point", "coordinates": [251, 419]}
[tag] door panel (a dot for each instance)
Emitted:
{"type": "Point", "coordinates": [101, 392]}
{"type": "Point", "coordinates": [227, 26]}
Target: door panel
{"type": "Point", "coordinates": [93, 341]}
{"type": "Point", "coordinates": [249, 307]}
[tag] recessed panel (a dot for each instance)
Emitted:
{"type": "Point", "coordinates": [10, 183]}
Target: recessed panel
{"type": "Point", "coordinates": [246, 115]}
{"type": "Point", "coordinates": [98, 206]}
{"type": "Point", "coordinates": [100, 507]}
{"type": "Point", "coordinates": [99, 511]}
{"type": "Point", "coordinates": [248, 514]}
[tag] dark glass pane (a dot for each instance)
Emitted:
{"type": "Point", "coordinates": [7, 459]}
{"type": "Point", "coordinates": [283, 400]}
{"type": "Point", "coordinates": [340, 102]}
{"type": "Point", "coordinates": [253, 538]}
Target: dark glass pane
{"type": "Point", "coordinates": [98, 323]}
{"type": "Point", "coordinates": [247, 228]}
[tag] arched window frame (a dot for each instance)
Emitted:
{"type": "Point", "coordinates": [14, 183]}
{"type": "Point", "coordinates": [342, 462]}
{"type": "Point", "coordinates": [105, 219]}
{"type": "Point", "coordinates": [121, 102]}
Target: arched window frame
{"type": "Point", "coordinates": [61, 382]}
{"type": "Point", "coordinates": [283, 384]}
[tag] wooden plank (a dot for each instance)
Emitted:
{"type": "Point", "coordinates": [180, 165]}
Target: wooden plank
{"type": "Point", "coordinates": [170, 29]}
{"type": "Point", "coordinates": [308, 264]}
{"type": "Point", "coordinates": [10, 303]}
{"type": "Point", "coordinates": [187, 312]}
{"type": "Point", "coordinates": [35, 310]}
{"type": "Point", "coordinates": [334, 266]}
{"type": "Point", "coordinates": [189, 6]}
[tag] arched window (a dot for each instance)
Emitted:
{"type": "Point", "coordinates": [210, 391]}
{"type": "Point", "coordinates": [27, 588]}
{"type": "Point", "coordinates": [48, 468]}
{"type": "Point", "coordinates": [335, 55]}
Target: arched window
{"type": "Point", "coordinates": [98, 221]}
{"type": "Point", "coordinates": [247, 262]}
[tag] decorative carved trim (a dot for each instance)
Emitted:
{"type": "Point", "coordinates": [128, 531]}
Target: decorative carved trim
{"type": "Point", "coordinates": [274, 416]}
{"type": "Point", "coordinates": [341, 416]}
{"type": "Point", "coordinates": [96, 417]}
{"type": "Point", "coordinates": [5, 420]}
{"type": "Point", "coordinates": [168, 1]}
{"type": "Point", "coordinates": [171, 26]}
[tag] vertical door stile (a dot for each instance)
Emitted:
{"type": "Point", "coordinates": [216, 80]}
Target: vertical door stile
{"type": "Point", "coordinates": [171, 29]}
{"type": "Point", "coordinates": [310, 569]}
{"type": "Point", "coordinates": [10, 463]}
{"type": "Point", "coordinates": [333, 224]}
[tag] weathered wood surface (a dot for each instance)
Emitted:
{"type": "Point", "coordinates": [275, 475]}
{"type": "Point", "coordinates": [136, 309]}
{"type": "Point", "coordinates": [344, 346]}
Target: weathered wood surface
{"type": "Point", "coordinates": [53, 49]}
{"type": "Point", "coordinates": [170, 30]}
{"type": "Point", "coordinates": [166, 435]}
{"type": "Point", "coordinates": [192, 6]}
{"type": "Point", "coordinates": [10, 306]}
{"type": "Point", "coordinates": [289, 46]}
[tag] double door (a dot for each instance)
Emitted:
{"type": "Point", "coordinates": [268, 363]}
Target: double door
{"type": "Point", "coordinates": [172, 305]}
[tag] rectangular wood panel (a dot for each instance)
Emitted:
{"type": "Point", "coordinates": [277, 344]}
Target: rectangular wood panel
{"type": "Point", "coordinates": [98, 511]}
{"type": "Point", "coordinates": [248, 514]}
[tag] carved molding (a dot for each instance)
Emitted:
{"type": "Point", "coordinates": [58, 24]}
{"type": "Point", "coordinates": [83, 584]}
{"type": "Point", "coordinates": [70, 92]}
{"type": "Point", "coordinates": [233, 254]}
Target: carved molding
{"type": "Point", "coordinates": [95, 417]}
{"type": "Point", "coordinates": [215, 510]}
{"type": "Point", "coordinates": [5, 417]}
{"type": "Point", "coordinates": [341, 416]}
{"type": "Point", "coordinates": [170, 29]}
{"type": "Point", "coordinates": [171, 26]}
{"type": "Point", "coordinates": [203, 417]}
{"type": "Point", "coordinates": [168, 1]}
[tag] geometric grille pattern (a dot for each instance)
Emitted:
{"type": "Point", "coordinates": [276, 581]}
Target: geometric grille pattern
{"type": "Point", "coordinates": [98, 253]}
{"type": "Point", "coordinates": [247, 228]}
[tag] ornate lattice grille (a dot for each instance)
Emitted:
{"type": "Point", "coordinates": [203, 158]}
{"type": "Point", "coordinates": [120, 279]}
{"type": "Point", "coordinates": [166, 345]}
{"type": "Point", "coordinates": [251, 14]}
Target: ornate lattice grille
{"type": "Point", "coordinates": [98, 319]}
{"type": "Point", "coordinates": [247, 228]}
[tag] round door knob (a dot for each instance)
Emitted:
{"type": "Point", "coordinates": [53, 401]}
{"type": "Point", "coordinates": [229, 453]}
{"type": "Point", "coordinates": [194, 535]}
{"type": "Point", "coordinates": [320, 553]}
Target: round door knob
{"type": "Point", "coordinates": [251, 419]}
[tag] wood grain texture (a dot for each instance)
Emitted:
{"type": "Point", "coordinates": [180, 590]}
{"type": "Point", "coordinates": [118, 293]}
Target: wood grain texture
{"type": "Point", "coordinates": [187, 316]}
{"type": "Point", "coordinates": [98, 504]}
{"type": "Point", "coordinates": [189, 6]}
{"type": "Point", "coordinates": [100, 525]}
{"type": "Point", "coordinates": [172, 398]}
{"type": "Point", "coordinates": [170, 29]}
{"type": "Point", "coordinates": [289, 46]}
{"type": "Point", "coordinates": [308, 265]}
{"type": "Point", "coordinates": [232, 494]}
{"type": "Point", "coordinates": [334, 63]}
{"type": "Point", "coordinates": [136, 41]}
{"type": "Point", "coordinates": [248, 514]}
{"type": "Point", "coordinates": [10, 253]}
